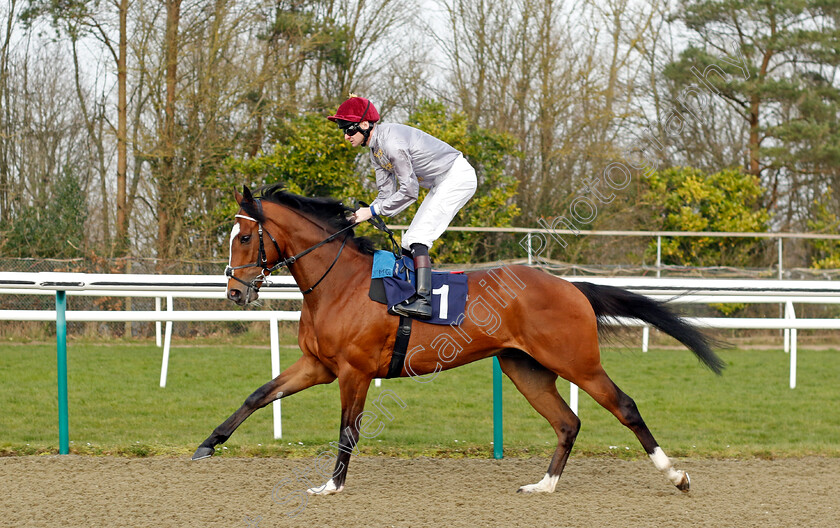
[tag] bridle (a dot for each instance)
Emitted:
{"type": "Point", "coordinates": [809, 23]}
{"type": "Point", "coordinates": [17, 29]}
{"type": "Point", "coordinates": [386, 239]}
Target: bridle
{"type": "Point", "coordinates": [262, 257]}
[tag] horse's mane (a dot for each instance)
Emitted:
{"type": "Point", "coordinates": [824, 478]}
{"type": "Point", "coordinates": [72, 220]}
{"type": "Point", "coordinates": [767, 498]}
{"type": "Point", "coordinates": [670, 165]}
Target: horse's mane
{"type": "Point", "coordinates": [328, 210]}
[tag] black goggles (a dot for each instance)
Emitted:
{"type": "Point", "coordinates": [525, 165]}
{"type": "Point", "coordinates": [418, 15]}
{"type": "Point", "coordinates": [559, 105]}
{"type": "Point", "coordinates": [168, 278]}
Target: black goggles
{"type": "Point", "coordinates": [351, 129]}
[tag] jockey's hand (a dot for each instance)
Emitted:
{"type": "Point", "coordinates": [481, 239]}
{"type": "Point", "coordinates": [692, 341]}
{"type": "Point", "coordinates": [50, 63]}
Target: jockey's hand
{"type": "Point", "coordinates": [362, 214]}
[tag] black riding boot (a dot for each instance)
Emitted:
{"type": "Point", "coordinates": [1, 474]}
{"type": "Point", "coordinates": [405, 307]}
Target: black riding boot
{"type": "Point", "coordinates": [419, 305]}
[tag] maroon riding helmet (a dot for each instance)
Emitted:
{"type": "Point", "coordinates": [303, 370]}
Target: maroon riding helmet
{"type": "Point", "coordinates": [355, 110]}
{"type": "Point", "coordinates": [352, 112]}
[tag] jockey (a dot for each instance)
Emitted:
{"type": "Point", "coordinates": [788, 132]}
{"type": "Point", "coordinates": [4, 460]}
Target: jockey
{"type": "Point", "coordinates": [406, 159]}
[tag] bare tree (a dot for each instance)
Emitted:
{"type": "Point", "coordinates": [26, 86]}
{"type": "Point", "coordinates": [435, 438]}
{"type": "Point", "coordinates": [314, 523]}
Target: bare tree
{"type": "Point", "coordinates": [44, 140]}
{"type": "Point", "coordinates": [8, 26]}
{"type": "Point", "coordinates": [368, 30]}
{"type": "Point", "coordinates": [92, 19]}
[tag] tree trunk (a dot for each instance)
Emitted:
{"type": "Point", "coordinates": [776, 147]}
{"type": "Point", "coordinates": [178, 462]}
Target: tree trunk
{"type": "Point", "coordinates": [167, 176]}
{"type": "Point", "coordinates": [5, 166]}
{"type": "Point", "coordinates": [121, 245]}
{"type": "Point", "coordinates": [755, 167]}
{"type": "Point", "coordinates": [93, 124]}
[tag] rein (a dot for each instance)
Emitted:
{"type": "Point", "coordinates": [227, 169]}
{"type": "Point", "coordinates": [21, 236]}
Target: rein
{"type": "Point", "coordinates": [262, 258]}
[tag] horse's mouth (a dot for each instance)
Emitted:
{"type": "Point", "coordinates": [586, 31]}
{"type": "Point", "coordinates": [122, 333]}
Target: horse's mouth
{"type": "Point", "coordinates": [239, 299]}
{"type": "Point", "coordinates": [252, 296]}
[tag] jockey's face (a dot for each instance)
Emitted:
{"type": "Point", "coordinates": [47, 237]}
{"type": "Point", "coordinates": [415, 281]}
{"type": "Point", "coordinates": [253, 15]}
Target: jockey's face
{"type": "Point", "coordinates": [354, 135]}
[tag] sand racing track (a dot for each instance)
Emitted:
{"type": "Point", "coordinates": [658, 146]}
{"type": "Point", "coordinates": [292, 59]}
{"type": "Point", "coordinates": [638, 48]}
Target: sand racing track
{"type": "Point", "coordinates": [82, 491]}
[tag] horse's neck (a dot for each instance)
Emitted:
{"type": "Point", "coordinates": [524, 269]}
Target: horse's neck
{"type": "Point", "coordinates": [301, 234]}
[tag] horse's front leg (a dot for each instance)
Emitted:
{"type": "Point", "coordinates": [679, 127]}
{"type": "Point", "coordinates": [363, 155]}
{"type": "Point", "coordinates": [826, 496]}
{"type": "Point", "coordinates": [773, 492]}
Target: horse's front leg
{"type": "Point", "coordinates": [353, 386]}
{"type": "Point", "coordinates": [302, 374]}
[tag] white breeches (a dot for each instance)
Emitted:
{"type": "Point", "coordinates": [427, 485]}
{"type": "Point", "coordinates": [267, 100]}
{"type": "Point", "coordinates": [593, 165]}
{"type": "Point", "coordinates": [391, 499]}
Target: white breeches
{"type": "Point", "coordinates": [445, 199]}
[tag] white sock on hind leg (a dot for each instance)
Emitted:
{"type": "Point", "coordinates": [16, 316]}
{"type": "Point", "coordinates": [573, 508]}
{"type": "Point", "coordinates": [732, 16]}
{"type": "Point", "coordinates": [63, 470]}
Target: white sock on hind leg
{"type": "Point", "coordinates": [663, 463]}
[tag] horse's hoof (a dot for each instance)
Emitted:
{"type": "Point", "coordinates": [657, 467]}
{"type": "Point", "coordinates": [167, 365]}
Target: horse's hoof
{"type": "Point", "coordinates": [684, 484]}
{"type": "Point", "coordinates": [532, 488]}
{"type": "Point", "coordinates": [327, 489]}
{"type": "Point", "coordinates": [546, 485]}
{"type": "Point", "coordinates": [203, 452]}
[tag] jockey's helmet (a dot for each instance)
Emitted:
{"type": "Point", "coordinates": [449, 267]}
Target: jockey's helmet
{"type": "Point", "coordinates": [355, 110]}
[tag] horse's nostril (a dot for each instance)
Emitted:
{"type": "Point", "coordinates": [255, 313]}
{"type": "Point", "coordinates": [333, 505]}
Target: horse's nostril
{"type": "Point", "coordinates": [234, 295]}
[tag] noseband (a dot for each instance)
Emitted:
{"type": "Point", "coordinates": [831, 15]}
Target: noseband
{"type": "Point", "coordinates": [262, 257]}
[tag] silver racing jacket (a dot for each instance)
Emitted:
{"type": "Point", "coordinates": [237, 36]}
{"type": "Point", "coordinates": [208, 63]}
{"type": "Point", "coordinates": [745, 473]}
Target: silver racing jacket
{"type": "Point", "coordinates": [405, 159]}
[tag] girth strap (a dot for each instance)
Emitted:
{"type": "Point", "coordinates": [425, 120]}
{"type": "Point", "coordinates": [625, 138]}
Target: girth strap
{"type": "Point", "coordinates": [400, 348]}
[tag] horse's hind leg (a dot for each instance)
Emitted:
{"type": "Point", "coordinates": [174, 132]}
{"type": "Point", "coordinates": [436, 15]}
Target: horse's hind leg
{"type": "Point", "coordinates": [303, 373]}
{"type": "Point", "coordinates": [608, 395]}
{"type": "Point", "coordinates": [537, 384]}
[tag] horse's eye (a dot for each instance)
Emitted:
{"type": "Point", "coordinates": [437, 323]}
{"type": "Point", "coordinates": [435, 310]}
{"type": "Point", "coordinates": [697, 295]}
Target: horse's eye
{"type": "Point", "coordinates": [244, 239]}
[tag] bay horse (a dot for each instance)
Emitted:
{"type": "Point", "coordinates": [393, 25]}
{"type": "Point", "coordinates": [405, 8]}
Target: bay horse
{"type": "Point", "coordinates": [539, 326]}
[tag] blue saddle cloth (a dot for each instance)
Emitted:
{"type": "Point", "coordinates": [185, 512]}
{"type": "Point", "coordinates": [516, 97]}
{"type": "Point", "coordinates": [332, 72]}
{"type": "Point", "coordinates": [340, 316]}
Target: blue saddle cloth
{"type": "Point", "coordinates": [449, 290]}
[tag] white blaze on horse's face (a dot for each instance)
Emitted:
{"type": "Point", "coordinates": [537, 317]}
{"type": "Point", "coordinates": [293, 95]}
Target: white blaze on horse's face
{"type": "Point", "coordinates": [233, 234]}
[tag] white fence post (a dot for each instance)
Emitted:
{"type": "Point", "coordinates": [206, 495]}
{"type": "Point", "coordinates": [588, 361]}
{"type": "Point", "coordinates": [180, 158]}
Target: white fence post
{"type": "Point", "coordinates": [275, 371]}
{"type": "Point", "coordinates": [167, 340]}
{"type": "Point", "coordinates": [530, 260]}
{"type": "Point", "coordinates": [781, 269]}
{"type": "Point", "coordinates": [658, 256]}
{"type": "Point", "coordinates": [157, 324]}
{"type": "Point", "coordinates": [787, 338]}
{"type": "Point", "coordinates": [790, 314]}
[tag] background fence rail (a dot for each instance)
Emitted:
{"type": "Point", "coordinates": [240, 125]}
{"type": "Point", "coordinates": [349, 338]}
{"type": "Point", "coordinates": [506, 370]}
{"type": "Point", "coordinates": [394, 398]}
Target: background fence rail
{"type": "Point", "coordinates": [702, 291]}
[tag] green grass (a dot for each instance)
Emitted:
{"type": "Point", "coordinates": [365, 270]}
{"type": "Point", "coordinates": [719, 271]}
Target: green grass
{"type": "Point", "coordinates": [116, 406]}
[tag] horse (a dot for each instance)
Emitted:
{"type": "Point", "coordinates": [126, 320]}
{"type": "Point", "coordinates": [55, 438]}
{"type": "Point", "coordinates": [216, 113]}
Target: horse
{"type": "Point", "coordinates": [539, 326]}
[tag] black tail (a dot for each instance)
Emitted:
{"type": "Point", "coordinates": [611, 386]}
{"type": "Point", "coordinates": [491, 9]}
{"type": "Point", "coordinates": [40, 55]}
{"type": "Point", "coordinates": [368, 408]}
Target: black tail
{"type": "Point", "coordinates": [609, 301]}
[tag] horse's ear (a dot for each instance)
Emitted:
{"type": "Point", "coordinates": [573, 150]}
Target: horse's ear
{"type": "Point", "coordinates": [247, 194]}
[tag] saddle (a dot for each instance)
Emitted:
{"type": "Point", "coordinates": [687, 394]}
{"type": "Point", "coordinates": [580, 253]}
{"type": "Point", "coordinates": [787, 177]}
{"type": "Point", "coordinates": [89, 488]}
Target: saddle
{"type": "Point", "coordinates": [392, 283]}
